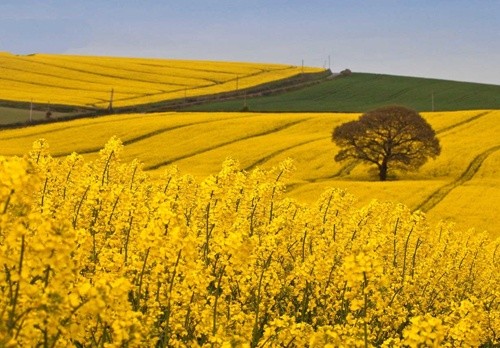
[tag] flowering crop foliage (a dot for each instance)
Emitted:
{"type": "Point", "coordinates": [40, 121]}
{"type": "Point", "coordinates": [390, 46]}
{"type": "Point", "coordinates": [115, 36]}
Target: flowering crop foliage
{"type": "Point", "coordinates": [87, 80]}
{"type": "Point", "coordinates": [95, 254]}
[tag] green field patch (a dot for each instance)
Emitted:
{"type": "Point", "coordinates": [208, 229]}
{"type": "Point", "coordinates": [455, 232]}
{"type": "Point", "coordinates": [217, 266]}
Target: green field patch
{"type": "Point", "coordinates": [16, 115]}
{"type": "Point", "coordinates": [361, 92]}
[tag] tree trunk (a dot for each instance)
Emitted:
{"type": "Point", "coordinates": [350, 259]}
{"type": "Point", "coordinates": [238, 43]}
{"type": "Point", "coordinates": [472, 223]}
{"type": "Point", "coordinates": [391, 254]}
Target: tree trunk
{"type": "Point", "coordinates": [383, 171]}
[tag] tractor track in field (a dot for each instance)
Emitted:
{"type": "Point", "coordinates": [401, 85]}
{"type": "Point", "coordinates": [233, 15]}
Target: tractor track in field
{"type": "Point", "coordinates": [343, 171]}
{"type": "Point", "coordinates": [130, 141]}
{"type": "Point", "coordinates": [437, 196]}
{"type": "Point", "coordinates": [126, 142]}
{"type": "Point", "coordinates": [88, 72]}
{"type": "Point", "coordinates": [276, 153]}
{"type": "Point", "coordinates": [213, 147]}
{"type": "Point", "coordinates": [144, 136]}
{"type": "Point", "coordinates": [469, 120]}
{"type": "Point", "coordinates": [346, 169]}
{"type": "Point", "coordinates": [101, 121]}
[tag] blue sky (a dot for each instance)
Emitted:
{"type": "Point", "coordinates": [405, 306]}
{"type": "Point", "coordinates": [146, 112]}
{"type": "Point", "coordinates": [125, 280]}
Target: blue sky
{"type": "Point", "coordinates": [454, 39]}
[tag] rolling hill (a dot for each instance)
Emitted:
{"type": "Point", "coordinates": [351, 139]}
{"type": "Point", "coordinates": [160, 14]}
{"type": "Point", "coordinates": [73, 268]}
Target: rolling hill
{"type": "Point", "coordinates": [73, 86]}
{"type": "Point", "coordinates": [460, 185]}
{"type": "Point", "coordinates": [94, 249]}
{"type": "Point", "coordinates": [361, 92]}
{"type": "Point", "coordinates": [92, 82]}
{"type": "Point", "coordinates": [286, 121]}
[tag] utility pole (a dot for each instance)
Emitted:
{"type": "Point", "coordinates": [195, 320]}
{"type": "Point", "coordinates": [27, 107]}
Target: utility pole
{"type": "Point", "coordinates": [302, 65]}
{"type": "Point", "coordinates": [329, 63]}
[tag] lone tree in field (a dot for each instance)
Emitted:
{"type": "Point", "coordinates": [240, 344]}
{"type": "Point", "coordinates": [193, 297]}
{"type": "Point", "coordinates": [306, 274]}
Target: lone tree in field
{"type": "Point", "coordinates": [389, 137]}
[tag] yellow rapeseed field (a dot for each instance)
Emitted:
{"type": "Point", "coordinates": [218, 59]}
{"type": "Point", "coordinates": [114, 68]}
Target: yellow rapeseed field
{"type": "Point", "coordinates": [197, 143]}
{"type": "Point", "coordinates": [96, 254]}
{"type": "Point", "coordinates": [88, 81]}
{"type": "Point", "coordinates": [479, 197]}
{"type": "Point", "coordinates": [234, 229]}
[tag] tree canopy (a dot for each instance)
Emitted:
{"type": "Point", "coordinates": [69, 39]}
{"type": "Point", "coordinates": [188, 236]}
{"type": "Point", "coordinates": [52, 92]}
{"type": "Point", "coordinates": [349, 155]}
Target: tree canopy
{"type": "Point", "coordinates": [391, 137]}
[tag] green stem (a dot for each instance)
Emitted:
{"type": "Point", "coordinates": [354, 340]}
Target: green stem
{"type": "Point", "coordinates": [141, 278]}
{"type": "Point", "coordinates": [7, 202]}
{"type": "Point", "coordinates": [75, 219]}
{"type": "Point", "coordinates": [255, 331]}
{"type": "Point", "coordinates": [133, 176]}
{"type": "Point", "coordinates": [394, 260]}
{"type": "Point", "coordinates": [127, 238]}
{"type": "Point", "coordinates": [272, 196]}
{"type": "Point", "coordinates": [166, 331]}
{"type": "Point", "coordinates": [405, 253]}
{"type": "Point", "coordinates": [304, 245]}
{"type": "Point", "coordinates": [44, 190]}
{"type": "Point", "coordinates": [12, 314]}
{"type": "Point", "coordinates": [106, 167]}
{"type": "Point", "coordinates": [217, 295]}
{"type": "Point", "coordinates": [67, 179]}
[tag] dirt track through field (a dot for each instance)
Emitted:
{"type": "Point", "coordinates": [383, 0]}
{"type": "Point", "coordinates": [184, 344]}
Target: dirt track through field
{"type": "Point", "coordinates": [438, 195]}
{"type": "Point", "coordinates": [472, 119]}
{"type": "Point", "coordinates": [210, 148]}
{"type": "Point", "coordinates": [142, 137]}
{"type": "Point", "coordinates": [276, 153]}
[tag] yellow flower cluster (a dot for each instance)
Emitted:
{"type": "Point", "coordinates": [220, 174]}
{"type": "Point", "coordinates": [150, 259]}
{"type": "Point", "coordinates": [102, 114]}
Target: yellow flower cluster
{"type": "Point", "coordinates": [95, 254]}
